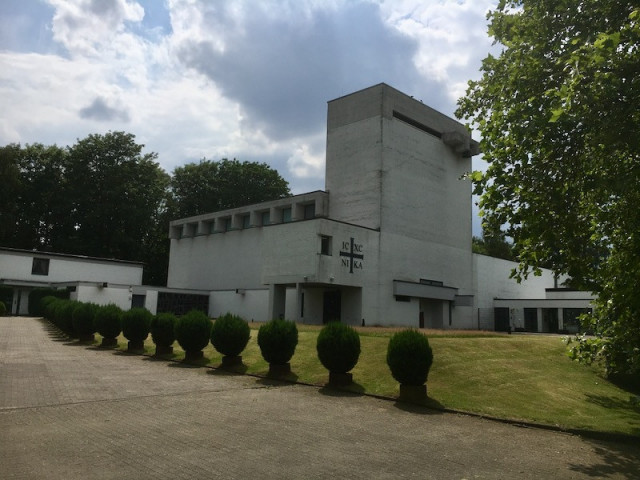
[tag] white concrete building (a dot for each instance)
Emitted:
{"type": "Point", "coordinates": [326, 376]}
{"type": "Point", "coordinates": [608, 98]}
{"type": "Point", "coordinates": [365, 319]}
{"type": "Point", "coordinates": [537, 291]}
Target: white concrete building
{"type": "Point", "coordinates": [89, 279]}
{"type": "Point", "coordinates": [387, 243]}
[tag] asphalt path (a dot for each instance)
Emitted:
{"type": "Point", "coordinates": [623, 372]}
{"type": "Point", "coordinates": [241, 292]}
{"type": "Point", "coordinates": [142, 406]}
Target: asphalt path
{"type": "Point", "coordinates": [69, 411]}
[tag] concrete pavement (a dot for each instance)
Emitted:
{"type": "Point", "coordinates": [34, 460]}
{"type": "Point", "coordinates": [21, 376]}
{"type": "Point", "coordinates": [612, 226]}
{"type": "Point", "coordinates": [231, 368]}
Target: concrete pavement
{"type": "Point", "coordinates": [70, 411]}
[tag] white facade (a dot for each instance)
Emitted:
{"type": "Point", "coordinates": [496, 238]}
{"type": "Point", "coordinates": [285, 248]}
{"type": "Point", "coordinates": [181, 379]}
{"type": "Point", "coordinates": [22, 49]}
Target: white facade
{"type": "Point", "coordinates": [91, 279]}
{"type": "Point", "coordinates": [387, 243]}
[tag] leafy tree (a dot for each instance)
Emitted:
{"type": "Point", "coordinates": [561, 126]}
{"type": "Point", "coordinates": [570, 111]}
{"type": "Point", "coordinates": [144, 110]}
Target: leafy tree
{"type": "Point", "coordinates": [117, 193]}
{"type": "Point", "coordinates": [493, 245]}
{"type": "Point", "coordinates": [44, 206]}
{"type": "Point", "coordinates": [558, 114]}
{"type": "Point", "coordinates": [32, 204]}
{"type": "Point", "coordinates": [10, 188]}
{"type": "Point", "coordinates": [208, 186]}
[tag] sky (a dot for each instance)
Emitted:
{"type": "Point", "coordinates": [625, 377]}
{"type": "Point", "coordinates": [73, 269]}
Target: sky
{"type": "Point", "coordinates": [215, 79]}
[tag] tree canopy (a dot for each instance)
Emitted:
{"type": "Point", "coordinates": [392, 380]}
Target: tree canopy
{"type": "Point", "coordinates": [209, 186]}
{"type": "Point", "coordinates": [559, 118]}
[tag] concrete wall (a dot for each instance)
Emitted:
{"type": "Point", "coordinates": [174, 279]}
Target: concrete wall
{"type": "Point", "coordinates": [250, 305]}
{"type": "Point", "coordinates": [492, 281]}
{"type": "Point", "coordinates": [219, 261]}
{"type": "Point", "coordinates": [120, 296]}
{"type": "Point", "coordinates": [385, 173]}
{"type": "Point", "coordinates": [18, 265]}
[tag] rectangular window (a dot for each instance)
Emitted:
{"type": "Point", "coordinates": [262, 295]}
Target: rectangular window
{"type": "Point", "coordinates": [310, 211]}
{"type": "Point", "coordinates": [265, 218]}
{"type": "Point", "coordinates": [286, 215]}
{"type": "Point", "coordinates": [325, 245]}
{"type": "Point", "coordinates": [227, 224]}
{"type": "Point", "coordinates": [246, 221]}
{"type": "Point", "coordinates": [402, 298]}
{"type": "Point", "coordinates": [40, 266]}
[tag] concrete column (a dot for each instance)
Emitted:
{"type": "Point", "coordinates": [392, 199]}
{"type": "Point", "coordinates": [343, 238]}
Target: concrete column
{"type": "Point", "coordinates": [560, 319]}
{"type": "Point", "coordinates": [299, 303]}
{"type": "Point", "coordinates": [539, 319]}
{"type": "Point", "coordinates": [277, 301]}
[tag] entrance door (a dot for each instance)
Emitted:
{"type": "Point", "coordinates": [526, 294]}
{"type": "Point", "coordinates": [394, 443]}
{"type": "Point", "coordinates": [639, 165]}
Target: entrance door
{"type": "Point", "coordinates": [531, 319]}
{"type": "Point", "coordinates": [501, 315]}
{"type": "Point", "coordinates": [331, 306]}
{"type": "Point", "coordinates": [550, 320]}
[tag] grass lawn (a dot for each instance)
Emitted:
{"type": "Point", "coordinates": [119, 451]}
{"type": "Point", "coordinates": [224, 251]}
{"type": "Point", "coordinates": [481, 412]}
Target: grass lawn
{"type": "Point", "coordinates": [518, 377]}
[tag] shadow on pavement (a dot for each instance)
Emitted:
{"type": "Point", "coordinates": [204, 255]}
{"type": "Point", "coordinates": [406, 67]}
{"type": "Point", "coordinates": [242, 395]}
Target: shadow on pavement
{"type": "Point", "coordinates": [611, 459]}
{"type": "Point", "coordinates": [429, 407]}
{"type": "Point", "coordinates": [353, 390]}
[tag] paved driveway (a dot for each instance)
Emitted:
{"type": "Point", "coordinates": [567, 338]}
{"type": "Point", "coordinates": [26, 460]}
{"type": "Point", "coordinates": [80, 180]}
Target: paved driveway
{"type": "Point", "coordinates": [70, 411]}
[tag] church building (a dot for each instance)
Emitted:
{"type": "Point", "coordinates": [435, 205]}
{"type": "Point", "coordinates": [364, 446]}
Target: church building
{"type": "Point", "coordinates": [388, 242]}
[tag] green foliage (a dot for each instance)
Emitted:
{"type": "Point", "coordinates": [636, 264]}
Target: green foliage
{"type": "Point", "coordinates": [557, 110]}
{"type": "Point", "coordinates": [3, 309]}
{"type": "Point", "coordinates": [34, 208]}
{"type": "Point", "coordinates": [277, 340]}
{"type": "Point", "coordinates": [108, 320]}
{"type": "Point", "coordinates": [36, 308]}
{"type": "Point", "coordinates": [47, 306]}
{"type": "Point", "coordinates": [82, 318]}
{"type": "Point", "coordinates": [136, 324]}
{"type": "Point", "coordinates": [409, 357]}
{"type": "Point", "coordinates": [193, 331]}
{"type": "Point", "coordinates": [64, 315]}
{"type": "Point", "coordinates": [338, 347]}
{"type": "Point", "coordinates": [211, 186]}
{"type": "Point", "coordinates": [230, 334]}
{"type": "Point", "coordinates": [114, 216]}
{"type": "Point", "coordinates": [6, 297]}
{"type": "Point", "coordinates": [163, 329]}
{"type": "Point", "coordinates": [493, 244]}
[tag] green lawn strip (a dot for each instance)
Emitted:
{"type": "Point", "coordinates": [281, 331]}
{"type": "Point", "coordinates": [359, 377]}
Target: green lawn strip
{"type": "Point", "coordinates": [517, 377]}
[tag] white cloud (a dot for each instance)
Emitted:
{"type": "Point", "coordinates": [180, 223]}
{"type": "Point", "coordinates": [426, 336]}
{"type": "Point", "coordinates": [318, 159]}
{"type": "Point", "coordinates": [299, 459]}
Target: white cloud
{"type": "Point", "coordinates": [86, 27]}
{"type": "Point", "coordinates": [305, 163]}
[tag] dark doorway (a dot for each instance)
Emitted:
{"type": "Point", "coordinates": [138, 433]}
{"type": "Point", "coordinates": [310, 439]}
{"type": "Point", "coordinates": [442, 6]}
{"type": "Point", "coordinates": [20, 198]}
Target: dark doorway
{"type": "Point", "coordinates": [421, 320]}
{"type": "Point", "coordinates": [137, 301]}
{"type": "Point", "coordinates": [531, 319]}
{"type": "Point", "coordinates": [501, 316]}
{"type": "Point", "coordinates": [550, 320]}
{"type": "Point", "coordinates": [331, 306]}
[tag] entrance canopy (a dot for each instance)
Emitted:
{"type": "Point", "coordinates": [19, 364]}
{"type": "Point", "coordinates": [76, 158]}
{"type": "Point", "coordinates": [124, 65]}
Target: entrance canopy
{"type": "Point", "coordinates": [421, 290]}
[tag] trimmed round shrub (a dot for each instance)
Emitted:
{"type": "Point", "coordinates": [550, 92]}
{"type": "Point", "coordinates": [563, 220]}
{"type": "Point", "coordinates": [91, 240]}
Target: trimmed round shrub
{"type": "Point", "coordinates": [3, 309]}
{"type": "Point", "coordinates": [193, 331]}
{"type": "Point", "coordinates": [136, 324]}
{"type": "Point", "coordinates": [50, 306]}
{"type": "Point", "coordinates": [338, 347]}
{"type": "Point", "coordinates": [230, 334]}
{"type": "Point", "coordinates": [409, 357]}
{"type": "Point", "coordinates": [108, 321]}
{"type": "Point", "coordinates": [163, 329]}
{"type": "Point", "coordinates": [64, 315]}
{"type": "Point", "coordinates": [82, 318]}
{"type": "Point", "coordinates": [45, 306]}
{"type": "Point", "coordinates": [277, 340]}
{"type": "Point", "coordinates": [36, 309]}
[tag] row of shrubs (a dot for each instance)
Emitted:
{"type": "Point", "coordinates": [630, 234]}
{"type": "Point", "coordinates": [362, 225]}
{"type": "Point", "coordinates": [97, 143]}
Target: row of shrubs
{"type": "Point", "coordinates": [409, 354]}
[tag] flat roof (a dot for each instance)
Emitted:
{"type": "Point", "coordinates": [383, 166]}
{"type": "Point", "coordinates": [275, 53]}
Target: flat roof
{"type": "Point", "coordinates": [68, 255]}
